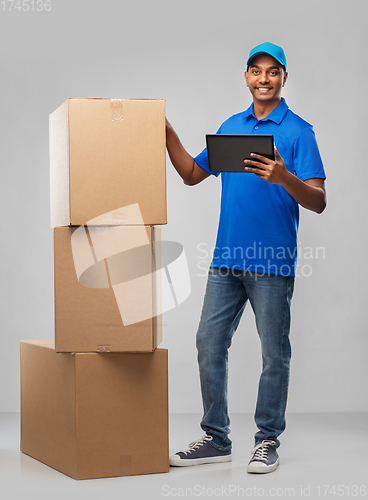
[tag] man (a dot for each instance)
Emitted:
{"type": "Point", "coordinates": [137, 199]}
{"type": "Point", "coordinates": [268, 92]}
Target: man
{"type": "Point", "coordinates": [260, 216]}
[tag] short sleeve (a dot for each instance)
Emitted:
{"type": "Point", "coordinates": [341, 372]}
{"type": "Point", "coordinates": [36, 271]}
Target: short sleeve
{"type": "Point", "coordinates": [202, 159]}
{"type": "Point", "coordinates": [307, 159]}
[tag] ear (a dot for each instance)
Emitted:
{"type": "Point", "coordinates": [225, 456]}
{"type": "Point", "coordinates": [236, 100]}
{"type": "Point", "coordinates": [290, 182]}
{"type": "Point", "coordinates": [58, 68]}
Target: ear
{"type": "Point", "coordinates": [246, 78]}
{"type": "Point", "coordinates": [286, 74]}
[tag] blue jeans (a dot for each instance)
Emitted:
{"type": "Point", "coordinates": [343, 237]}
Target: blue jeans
{"type": "Point", "coordinates": [227, 293]}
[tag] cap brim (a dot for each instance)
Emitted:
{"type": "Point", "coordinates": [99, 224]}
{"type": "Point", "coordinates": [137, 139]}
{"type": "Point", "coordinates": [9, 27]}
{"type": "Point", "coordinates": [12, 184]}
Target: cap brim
{"type": "Point", "coordinates": [260, 53]}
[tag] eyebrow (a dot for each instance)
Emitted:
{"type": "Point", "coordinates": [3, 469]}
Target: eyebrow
{"type": "Point", "coordinates": [271, 67]}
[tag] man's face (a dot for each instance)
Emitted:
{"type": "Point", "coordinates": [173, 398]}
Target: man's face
{"type": "Point", "coordinates": [265, 78]}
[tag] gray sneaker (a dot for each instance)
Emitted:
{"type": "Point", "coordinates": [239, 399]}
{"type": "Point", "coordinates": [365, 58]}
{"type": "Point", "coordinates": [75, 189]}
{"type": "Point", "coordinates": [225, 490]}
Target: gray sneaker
{"type": "Point", "coordinates": [200, 452]}
{"type": "Point", "coordinates": [264, 458]}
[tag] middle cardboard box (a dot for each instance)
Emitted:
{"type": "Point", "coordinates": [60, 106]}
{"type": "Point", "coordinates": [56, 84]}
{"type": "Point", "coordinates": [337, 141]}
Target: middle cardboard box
{"type": "Point", "coordinates": [108, 289]}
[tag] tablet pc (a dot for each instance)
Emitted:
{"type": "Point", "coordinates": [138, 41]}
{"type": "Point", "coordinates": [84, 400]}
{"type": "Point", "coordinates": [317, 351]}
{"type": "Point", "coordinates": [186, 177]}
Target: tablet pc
{"type": "Point", "coordinates": [226, 153]}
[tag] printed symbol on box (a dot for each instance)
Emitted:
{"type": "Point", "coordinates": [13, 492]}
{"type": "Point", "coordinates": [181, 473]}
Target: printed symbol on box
{"type": "Point", "coordinates": [123, 258]}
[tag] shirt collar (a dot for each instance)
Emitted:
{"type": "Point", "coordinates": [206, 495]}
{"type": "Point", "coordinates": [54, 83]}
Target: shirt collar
{"type": "Point", "coordinates": [276, 115]}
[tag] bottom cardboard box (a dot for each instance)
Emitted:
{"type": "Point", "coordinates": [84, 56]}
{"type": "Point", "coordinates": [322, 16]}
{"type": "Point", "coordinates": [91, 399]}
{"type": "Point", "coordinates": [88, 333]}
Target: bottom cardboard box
{"type": "Point", "coordinates": [94, 415]}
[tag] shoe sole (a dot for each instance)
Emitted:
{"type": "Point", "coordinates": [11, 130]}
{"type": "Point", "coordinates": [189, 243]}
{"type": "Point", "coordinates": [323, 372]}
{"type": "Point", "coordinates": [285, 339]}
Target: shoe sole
{"type": "Point", "coordinates": [254, 468]}
{"type": "Point", "coordinates": [183, 462]}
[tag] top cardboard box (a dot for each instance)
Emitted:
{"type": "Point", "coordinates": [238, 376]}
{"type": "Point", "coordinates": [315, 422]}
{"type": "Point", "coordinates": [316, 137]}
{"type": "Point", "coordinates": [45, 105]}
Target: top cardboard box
{"type": "Point", "coordinates": [105, 155]}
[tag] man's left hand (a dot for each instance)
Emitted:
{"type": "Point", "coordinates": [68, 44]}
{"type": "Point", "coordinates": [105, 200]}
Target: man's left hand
{"type": "Point", "coordinates": [273, 171]}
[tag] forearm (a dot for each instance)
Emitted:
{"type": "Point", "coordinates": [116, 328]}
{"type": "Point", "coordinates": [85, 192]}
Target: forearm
{"type": "Point", "coordinates": [308, 196]}
{"type": "Point", "coordinates": [183, 162]}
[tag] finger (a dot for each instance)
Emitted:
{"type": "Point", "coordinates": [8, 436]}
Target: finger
{"type": "Point", "coordinates": [260, 157]}
{"type": "Point", "coordinates": [277, 154]}
{"type": "Point", "coordinates": [250, 163]}
{"type": "Point", "coordinates": [261, 175]}
{"type": "Point", "coordinates": [254, 170]}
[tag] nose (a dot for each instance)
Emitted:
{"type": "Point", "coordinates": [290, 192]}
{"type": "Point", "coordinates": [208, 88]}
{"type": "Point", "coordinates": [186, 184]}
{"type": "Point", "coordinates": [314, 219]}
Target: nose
{"type": "Point", "coordinates": [263, 77]}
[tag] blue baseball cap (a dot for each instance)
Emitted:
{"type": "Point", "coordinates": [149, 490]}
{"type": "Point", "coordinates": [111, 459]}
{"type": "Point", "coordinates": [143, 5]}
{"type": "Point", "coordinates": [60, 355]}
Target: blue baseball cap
{"type": "Point", "coordinates": [268, 48]}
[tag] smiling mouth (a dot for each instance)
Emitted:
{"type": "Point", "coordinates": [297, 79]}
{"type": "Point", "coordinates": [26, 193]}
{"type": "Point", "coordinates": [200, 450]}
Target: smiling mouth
{"type": "Point", "coordinates": [263, 89]}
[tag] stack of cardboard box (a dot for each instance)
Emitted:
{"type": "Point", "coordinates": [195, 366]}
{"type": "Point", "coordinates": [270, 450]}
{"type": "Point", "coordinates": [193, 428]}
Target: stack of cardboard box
{"type": "Point", "coordinates": [94, 401]}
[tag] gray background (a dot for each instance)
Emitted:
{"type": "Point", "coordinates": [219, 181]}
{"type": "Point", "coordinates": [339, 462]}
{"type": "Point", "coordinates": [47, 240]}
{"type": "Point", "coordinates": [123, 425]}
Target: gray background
{"type": "Point", "coordinates": [192, 54]}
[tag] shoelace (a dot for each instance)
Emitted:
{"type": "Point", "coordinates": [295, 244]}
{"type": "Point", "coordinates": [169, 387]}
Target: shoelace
{"type": "Point", "coordinates": [260, 452]}
{"type": "Point", "coordinates": [194, 445]}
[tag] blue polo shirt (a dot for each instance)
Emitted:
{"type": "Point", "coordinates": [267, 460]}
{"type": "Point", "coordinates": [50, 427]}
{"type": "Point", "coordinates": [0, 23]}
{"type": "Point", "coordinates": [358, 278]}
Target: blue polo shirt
{"type": "Point", "coordinates": [259, 221]}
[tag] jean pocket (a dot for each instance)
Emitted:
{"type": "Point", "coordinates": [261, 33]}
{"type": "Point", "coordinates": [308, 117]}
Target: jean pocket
{"type": "Point", "coordinates": [213, 271]}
